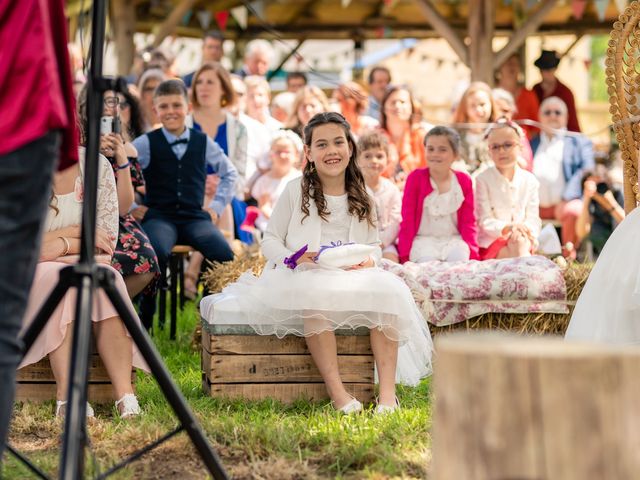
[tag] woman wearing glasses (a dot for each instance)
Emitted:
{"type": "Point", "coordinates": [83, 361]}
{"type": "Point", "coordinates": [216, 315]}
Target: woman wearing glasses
{"type": "Point", "coordinates": [134, 257]}
{"type": "Point", "coordinates": [506, 198]}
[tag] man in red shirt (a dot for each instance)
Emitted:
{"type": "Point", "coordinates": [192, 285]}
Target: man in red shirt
{"type": "Point", "coordinates": [37, 132]}
{"type": "Point", "coordinates": [550, 86]}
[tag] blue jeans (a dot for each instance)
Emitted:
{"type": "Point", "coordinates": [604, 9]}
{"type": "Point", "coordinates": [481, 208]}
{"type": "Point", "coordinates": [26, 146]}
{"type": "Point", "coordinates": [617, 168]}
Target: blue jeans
{"type": "Point", "coordinates": [184, 228]}
{"type": "Point", "coordinates": [25, 189]}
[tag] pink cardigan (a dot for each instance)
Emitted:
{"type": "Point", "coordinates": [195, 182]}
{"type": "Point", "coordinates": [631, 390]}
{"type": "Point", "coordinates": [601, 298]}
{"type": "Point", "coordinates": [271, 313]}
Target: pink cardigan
{"type": "Point", "coordinates": [417, 188]}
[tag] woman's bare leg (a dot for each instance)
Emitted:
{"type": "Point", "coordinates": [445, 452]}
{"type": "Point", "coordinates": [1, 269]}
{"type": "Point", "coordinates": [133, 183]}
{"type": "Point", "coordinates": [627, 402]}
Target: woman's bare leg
{"type": "Point", "coordinates": [60, 359]}
{"type": "Point", "coordinates": [137, 282]}
{"type": "Point", "coordinates": [324, 352]}
{"type": "Point", "coordinates": [115, 349]}
{"type": "Point", "coordinates": [385, 353]}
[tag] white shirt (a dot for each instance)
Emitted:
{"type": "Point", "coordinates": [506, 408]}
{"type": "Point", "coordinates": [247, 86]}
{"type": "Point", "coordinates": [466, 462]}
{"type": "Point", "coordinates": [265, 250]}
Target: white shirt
{"type": "Point", "coordinates": [547, 167]}
{"type": "Point", "coordinates": [500, 202]}
{"type": "Point", "coordinates": [389, 209]}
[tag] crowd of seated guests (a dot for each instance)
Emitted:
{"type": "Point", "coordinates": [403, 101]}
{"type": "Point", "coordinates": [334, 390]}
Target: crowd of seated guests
{"type": "Point", "coordinates": [477, 189]}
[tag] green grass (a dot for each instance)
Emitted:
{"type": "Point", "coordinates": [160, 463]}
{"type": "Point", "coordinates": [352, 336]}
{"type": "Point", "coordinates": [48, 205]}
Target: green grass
{"type": "Point", "coordinates": [263, 439]}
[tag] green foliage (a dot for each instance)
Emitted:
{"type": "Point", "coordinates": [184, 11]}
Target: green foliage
{"type": "Point", "coordinates": [597, 83]}
{"type": "Point", "coordinates": [263, 439]}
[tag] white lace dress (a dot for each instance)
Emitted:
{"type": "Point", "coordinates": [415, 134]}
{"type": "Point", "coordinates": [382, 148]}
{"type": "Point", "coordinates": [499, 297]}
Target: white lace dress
{"type": "Point", "coordinates": [438, 237]}
{"type": "Point", "coordinates": [312, 299]}
{"type": "Point", "coordinates": [47, 273]}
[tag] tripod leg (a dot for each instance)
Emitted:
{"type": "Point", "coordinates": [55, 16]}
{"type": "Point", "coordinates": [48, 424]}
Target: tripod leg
{"type": "Point", "coordinates": [162, 376]}
{"type": "Point", "coordinates": [75, 422]}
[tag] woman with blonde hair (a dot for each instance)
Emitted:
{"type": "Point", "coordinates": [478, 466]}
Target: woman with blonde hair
{"type": "Point", "coordinates": [475, 111]}
{"type": "Point", "coordinates": [309, 101]}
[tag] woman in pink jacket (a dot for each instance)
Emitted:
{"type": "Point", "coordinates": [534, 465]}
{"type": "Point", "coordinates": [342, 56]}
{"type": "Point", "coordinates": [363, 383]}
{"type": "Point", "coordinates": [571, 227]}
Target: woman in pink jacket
{"type": "Point", "coordinates": [438, 218]}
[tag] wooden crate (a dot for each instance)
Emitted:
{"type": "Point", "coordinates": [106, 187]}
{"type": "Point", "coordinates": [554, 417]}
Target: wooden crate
{"type": "Point", "coordinates": [35, 382]}
{"type": "Point", "coordinates": [237, 363]}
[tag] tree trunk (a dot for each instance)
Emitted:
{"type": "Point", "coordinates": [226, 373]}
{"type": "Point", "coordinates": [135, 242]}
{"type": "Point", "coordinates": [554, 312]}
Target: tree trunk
{"type": "Point", "coordinates": [123, 15]}
{"type": "Point", "coordinates": [509, 407]}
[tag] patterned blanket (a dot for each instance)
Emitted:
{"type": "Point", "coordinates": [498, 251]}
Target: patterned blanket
{"type": "Point", "coordinates": [449, 293]}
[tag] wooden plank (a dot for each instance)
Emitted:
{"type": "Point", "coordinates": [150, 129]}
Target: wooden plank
{"type": "Point", "coordinates": [257, 344]}
{"type": "Point", "coordinates": [41, 371]}
{"type": "Point", "coordinates": [42, 392]}
{"type": "Point", "coordinates": [281, 368]}
{"type": "Point", "coordinates": [284, 392]}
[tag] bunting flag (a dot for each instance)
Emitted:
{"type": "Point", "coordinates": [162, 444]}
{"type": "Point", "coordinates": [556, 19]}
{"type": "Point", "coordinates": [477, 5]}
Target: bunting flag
{"type": "Point", "coordinates": [258, 7]}
{"type": "Point", "coordinates": [531, 4]}
{"type": "Point", "coordinates": [587, 63]}
{"type": "Point", "coordinates": [345, 3]}
{"type": "Point", "coordinates": [186, 18]}
{"type": "Point", "coordinates": [621, 5]}
{"type": "Point", "coordinates": [222, 18]}
{"type": "Point", "coordinates": [601, 8]}
{"type": "Point", "coordinates": [577, 7]}
{"type": "Point", "coordinates": [204, 17]}
{"type": "Point", "coordinates": [240, 14]}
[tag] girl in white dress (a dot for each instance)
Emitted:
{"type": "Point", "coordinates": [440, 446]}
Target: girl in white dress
{"type": "Point", "coordinates": [60, 246]}
{"type": "Point", "coordinates": [330, 204]}
{"type": "Point", "coordinates": [608, 309]}
{"type": "Point", "coordinates": [507, 202]}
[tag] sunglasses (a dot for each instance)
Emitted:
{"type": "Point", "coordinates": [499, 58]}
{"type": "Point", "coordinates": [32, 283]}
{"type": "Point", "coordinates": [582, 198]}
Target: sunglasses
{"type": "Point", "coordinates": [506, 146]}
{"type": "Point", "coordinates": [548, 113]}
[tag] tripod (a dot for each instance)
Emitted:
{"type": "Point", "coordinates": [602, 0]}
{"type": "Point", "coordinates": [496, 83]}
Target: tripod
{"type": "Point", "coordinates": [86, 276]}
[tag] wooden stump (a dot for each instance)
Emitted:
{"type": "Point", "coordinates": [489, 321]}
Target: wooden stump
{"type": "Point", "coordinates": [509, 407]}
{"type": "Point", "coordinates": [238, 363]}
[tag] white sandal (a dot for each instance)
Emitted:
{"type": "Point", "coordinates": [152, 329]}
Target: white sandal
{"type": "Point", "coordinates": [352, 406]}
{"type": "Point", "coordinates": [384, 409]}
{"type": "Point", "coordinates": [130, 406]}
{"type": "Point", "coordinates": [60, 412]}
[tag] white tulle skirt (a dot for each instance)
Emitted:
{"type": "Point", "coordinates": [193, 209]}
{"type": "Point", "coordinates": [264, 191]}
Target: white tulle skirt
{"type": "Point", "coordinates": [608, 309]}
{"type": "Point", "coordinates": [310, 300]}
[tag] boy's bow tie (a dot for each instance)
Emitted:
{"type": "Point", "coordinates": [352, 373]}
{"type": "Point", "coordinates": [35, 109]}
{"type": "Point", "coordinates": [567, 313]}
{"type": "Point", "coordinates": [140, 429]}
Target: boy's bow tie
{"type": "Point", "coordinates": [179, 141]}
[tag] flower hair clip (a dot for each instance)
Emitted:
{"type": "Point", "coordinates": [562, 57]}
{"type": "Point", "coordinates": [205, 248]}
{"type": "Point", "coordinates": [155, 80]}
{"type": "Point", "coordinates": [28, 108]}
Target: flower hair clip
{"type": "Point", "coordinates": [292, 261]}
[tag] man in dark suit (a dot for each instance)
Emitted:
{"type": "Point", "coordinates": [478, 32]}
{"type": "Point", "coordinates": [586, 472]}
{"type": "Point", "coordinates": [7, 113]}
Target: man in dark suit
{"type": "Point", "coordinates": [560, 159]}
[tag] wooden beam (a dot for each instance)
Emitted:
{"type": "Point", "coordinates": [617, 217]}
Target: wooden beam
{"type": "Point", "coordinates": [481, 30]}
{"type": "Point", "coordinates": [517, 39]}
{"type": "Point", "coordinates": [167, 27]}
{"type": "Point", "coordinates": [441, 25]}
{"type": "Point", "coordinates": [123, 22]}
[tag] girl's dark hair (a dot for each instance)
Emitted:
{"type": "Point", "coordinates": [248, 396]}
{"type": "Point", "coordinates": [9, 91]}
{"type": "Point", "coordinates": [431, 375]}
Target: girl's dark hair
{"type": "Point", "coordinates": [136, 124]}
{"type": "Point", "coordinates": [357, 197]}
{"type": "Point", "coordinates": [449, 133]}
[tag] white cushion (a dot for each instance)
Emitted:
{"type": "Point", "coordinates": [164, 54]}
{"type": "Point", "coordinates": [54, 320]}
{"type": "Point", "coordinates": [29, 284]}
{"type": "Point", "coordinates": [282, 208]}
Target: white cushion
{"type": "Point", "coordinates": [345, 255]}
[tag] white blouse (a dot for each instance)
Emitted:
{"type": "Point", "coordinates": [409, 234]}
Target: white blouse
{"type": "Point", "coordinates": [500, 202]}
{"type": "Point", "coordinates": [440, 211]}
{"type": "Point", "coordinates": [389, 210]}
{"type": "Point", "coordinates": [336, 227]}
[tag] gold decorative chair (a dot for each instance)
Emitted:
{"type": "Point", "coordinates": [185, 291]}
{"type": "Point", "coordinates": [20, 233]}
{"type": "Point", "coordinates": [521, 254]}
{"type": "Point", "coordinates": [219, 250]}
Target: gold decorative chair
{"type": "Point", "coordinates": [623, 86]}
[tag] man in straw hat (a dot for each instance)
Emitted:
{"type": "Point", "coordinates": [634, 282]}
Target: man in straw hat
{"type": "Point", "coordinates": [550, 86]}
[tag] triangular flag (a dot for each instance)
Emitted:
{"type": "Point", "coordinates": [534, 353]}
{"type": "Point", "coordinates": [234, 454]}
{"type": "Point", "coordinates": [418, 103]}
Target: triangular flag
{"type": "Point", "coordinates": [587, 63]}
{"type": "Point", "coordinates": [258, 8]}
{"type": "Point", "coordinates": [222, 18]}
{"type": "Point", "coordinates": [601, 8]}
{"type": "Point", "coordinates": [577, 7]}
{"type": "Point", "coordinates": [204, 17]}
{"type": "Point", "coordinates": [240, 14]}
{"type": "Point", "coordinates": [345, 3]}
{"type": "Point", "coordinates": [531, 4]}
{"type": "Point", "coordinates": [186, 18]}
{"type": "Point", "coordinates": [621, 5]}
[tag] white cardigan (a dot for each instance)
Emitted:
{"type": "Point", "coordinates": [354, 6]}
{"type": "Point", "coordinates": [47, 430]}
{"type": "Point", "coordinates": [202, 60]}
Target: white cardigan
{"type": "Point", "coordinates": [287, 232]}
{"type": "Point", "coordinates": [500, 202]}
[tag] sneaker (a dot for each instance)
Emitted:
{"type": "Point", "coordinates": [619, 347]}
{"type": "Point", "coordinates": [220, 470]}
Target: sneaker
{"type": "Point", "coordinates": [61, 409]}
{"type": "Point", "coordinates": [352, 406]}
{"type": "Point", "coordinates": [130, 406]}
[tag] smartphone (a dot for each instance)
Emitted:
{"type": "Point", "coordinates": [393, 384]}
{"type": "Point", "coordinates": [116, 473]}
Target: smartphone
{"type": "Point", "coordinates": [106, 125]}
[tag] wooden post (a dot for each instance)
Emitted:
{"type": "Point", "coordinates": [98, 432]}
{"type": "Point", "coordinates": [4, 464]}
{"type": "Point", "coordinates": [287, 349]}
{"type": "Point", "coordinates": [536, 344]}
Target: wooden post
{"type": "Point", "coordinates": [123, 15]}
{"type": "Point", "coordinates": [481, 29]}
{"type": "Point", "coordinates": [511, 407]}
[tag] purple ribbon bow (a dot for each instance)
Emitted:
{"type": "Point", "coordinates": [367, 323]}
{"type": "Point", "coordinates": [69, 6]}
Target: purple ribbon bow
{"type": "Point", "coordinates": [292, 261]}
{"type": "Point", "coordinates": [327, 247]}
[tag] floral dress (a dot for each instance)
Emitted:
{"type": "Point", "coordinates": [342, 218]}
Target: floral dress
{"type": "Point", "coordinates": [134, 254]}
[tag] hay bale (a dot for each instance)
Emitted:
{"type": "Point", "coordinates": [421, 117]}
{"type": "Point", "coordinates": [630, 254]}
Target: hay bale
{"type": "Point", "coordinates": [575, 276]}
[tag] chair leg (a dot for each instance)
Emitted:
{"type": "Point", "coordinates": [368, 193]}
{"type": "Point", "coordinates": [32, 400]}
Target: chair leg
{"type": "Point", "coordinates": [173, 270]}
{"type": "Point", "coordinates": [162, 300]}
{"type": "Point", "coordinates": [181, 281]}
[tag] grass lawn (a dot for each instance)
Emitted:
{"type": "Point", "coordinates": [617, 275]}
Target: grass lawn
{"type": "Point", "coordinates": [255, 440]}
